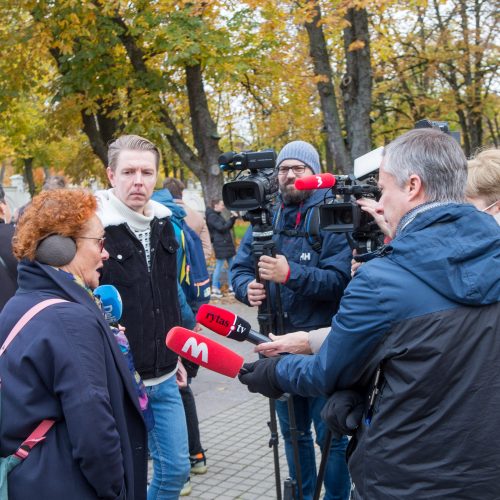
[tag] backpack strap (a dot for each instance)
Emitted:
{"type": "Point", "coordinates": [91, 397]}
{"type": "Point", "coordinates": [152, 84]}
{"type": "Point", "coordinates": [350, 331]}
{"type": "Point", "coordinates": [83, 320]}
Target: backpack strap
{"type": "Point", "coordinates": [37, 436]}
{"type": "Point", "coordinates": [312, 231]}
{"type": "Point", "coordinates": [27, 316]}
{"type": "Point", "coordinates": [44, 426]}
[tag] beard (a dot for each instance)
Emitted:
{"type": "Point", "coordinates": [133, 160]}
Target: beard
{"type": "Point", "coordinates": [292, 196]}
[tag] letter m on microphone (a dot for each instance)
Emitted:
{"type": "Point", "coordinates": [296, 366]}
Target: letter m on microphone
{"type": "Point", "coordinates": [195, 350]}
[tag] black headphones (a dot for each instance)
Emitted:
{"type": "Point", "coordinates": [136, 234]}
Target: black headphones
{"type": "Point", "coordinates": [56, 250]}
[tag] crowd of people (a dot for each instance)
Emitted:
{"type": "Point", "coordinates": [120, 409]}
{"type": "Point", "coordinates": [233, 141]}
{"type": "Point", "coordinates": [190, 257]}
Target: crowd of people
{"type": "Point", "coordinates": [400, 352]}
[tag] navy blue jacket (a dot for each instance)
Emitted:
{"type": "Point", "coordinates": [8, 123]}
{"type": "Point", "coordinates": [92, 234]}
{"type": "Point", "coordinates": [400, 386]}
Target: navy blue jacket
{"type": "Point", "coordinates": [317, 281]}
{"type": "Point", "coordinates": [65, 365]}
{"type": "Point", "coordinates": [427, 313]}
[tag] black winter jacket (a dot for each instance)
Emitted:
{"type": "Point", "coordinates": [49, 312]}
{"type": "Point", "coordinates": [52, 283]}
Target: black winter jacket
{"type": "Point", "coordinates": [150, 303]}
{"type": "Point", "coordinates": [220, 234]}
{"type": "Point", "coordinates": [8, 264]}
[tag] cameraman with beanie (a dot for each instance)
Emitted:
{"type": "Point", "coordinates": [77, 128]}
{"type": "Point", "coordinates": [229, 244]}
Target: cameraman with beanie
{"type": "Point", "coordinates": [311, 280]}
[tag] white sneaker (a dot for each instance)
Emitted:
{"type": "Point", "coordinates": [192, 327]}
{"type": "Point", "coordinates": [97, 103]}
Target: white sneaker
{"type": "Point", "coordinates": [216, 293]}
{"type": "Point", "coordinates": [186, 489]}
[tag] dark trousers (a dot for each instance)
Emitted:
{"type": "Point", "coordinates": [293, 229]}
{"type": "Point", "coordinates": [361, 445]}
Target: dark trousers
{"type": "Point", "coordinates": [191, 420]}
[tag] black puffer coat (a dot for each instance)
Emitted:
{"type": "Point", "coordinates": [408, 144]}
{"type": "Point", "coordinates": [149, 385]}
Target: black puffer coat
{"type": "Point", "coordinates": [220, 234]}
{"type": "Point", "coordinates": [8, 264]}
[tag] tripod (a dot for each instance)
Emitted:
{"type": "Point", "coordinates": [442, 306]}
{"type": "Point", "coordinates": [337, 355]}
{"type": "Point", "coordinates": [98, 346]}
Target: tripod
{"type": "Point", "coordinates": [263, 244]}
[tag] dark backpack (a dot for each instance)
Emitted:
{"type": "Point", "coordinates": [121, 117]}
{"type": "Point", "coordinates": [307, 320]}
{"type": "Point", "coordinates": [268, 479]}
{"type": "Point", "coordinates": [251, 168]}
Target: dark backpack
{"type": "Point", "coordinates": [193, 275]}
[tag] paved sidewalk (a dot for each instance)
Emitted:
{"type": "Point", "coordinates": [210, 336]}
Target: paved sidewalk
{"type": "Point", "coordinates": [241, 464]}
{"type": "Point", "coordinates": [234, 430]}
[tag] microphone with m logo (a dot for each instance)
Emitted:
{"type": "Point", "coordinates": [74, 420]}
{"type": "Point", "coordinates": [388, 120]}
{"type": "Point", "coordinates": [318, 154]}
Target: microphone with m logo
{"type": "Point", "coordinates": [204, 351]}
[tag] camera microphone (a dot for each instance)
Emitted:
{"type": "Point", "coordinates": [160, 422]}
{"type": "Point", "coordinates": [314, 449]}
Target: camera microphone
{"type": "Point", "coordinates": [204, 351]}
{"type": "Point", "coordinates": [111, 303]}
{"type": "Point", "coordinates": [225, 160]}
{"type": "Point", "coordinates": [228, 324]}
{"type": "Point", "coordinates": [319, 181]}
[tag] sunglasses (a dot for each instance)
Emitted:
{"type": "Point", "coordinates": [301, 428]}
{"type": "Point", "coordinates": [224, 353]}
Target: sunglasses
{"type": "Point", "coordinates": [100, 241]}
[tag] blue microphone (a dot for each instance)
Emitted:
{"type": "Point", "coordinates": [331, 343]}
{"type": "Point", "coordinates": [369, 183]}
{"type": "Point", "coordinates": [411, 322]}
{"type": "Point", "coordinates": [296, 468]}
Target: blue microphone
{"type": "Point", "coordinates": [111, 303]}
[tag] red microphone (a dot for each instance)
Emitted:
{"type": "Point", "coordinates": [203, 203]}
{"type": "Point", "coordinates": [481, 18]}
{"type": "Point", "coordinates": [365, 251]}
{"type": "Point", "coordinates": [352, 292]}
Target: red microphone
{"type": "Point", "coordinates": [204, 351]}
{"type": "Point", "coordinates": [228, 324]}
{"type": "Point", "coordinates": [320, 181]}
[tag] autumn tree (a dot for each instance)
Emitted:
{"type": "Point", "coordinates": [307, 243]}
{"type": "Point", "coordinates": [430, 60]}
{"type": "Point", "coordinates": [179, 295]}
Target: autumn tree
{"type": "Point", "coordinates": [128, 67]}
{"type": "Point", "coordinates": [437, 60]}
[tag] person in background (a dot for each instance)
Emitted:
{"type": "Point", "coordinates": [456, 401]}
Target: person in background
{"type": "Point", "coordinates": [222, 240]}
{"type": "Point", "coordinates": [66, 366]}
{"type": "Point", "coordinates": [483, 182]}
{"type": "Point", "coordinates": [54, 182]}
{"type": "Point", "coordinates": [8, 263]}
{"type": "Point", "coordinates": [50, 183]}
{"type": "Point", "coordinates": [310, 279]}
{"type": "Point", "coordinates": [196, 452]}
{"type": "Point", "coordinates": [142, 265]}
{"type": "Point", "coordinates": [193, 219]}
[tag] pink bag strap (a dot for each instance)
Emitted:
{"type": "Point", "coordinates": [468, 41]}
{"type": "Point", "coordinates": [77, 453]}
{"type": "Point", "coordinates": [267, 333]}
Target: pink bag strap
{"type": "Point", "coordinates": [34, 438]}
{"type": "Point", "coordinates": [44, 426]}
{"type": "Point", "coordinates": [27, 316]}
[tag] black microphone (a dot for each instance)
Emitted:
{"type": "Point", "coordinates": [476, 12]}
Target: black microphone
{"type": "Point", "coordinates": [228, 324]}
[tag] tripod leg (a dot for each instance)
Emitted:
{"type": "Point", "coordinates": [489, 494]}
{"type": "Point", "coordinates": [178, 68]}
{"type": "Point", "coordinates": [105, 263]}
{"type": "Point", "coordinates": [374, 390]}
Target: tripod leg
{"type": "Point", "coordinates": [273, 442]}
{"type": "Point", "coordinates": [324, 459]}
{"type": "Point", "coordinates": [295, 444]}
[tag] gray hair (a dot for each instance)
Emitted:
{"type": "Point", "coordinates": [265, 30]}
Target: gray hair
{"type": "Point", "coordinates": [54, 182]}
{"type": "Point", "coordinates": [432, 155]}
{"type": "Point", "coordinates": [131, 143]}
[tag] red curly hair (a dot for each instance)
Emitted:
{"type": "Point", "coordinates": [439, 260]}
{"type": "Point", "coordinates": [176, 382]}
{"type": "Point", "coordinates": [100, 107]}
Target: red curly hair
{"type": "Point", "coordinates": [61, 211]}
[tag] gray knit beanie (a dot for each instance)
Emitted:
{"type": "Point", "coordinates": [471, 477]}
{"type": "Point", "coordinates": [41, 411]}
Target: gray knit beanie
{"type": "Point", "coordinates": [301, 151]}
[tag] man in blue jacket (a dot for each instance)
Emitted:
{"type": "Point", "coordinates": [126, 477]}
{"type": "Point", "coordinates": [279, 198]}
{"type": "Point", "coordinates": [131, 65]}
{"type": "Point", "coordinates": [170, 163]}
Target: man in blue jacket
{"type": "Point", "coordinates": [423, 321]}
{"type": "Point", "coordinates": [311, 280]}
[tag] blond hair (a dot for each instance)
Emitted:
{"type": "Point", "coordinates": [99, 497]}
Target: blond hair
{"type": "Point", "coordinates": [484, 176]}
{"type": "Point", "coordinates": [131, 143]}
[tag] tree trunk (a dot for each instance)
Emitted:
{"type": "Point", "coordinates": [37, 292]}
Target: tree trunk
{"type": "Point", "coordinates": [28, 175]}
{"type": "Point", "coordinates": [100, 129]}
{"type": "Point", "coordinates": [319, 54]}
{"type": "Point", "coordinates": [203, 128]}
{"type": "Point", "coordinates": [357, 84]}
{"type": "Point", "coordinates": [206, 138]}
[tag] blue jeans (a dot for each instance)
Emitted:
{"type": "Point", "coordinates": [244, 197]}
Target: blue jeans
{"type": "Point", "coordinates": [219, 264]}
{"type": "Point", "coordinates": [168, 442]}
{"type": "Point", "coordinates": [307, 410]}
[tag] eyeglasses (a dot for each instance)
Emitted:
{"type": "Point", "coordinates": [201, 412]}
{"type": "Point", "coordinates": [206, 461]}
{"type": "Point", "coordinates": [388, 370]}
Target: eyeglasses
{"type": "Point", "coordinates": [490, 206]}
{"type": "Point", "coordinates": [296, 169]}
{"type": "Point", "coordinates": [99, 240]}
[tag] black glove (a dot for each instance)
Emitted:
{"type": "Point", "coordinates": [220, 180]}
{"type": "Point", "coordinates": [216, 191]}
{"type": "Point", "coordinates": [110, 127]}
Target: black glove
{"type": "Point", "coordinates": [260, 376]}
{"type": "Point", "coordinates": [343, 411]}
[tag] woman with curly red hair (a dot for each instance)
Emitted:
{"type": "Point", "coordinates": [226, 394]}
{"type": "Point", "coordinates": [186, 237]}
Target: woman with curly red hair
{"type": "Point", "coordinates": [65, 365]}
